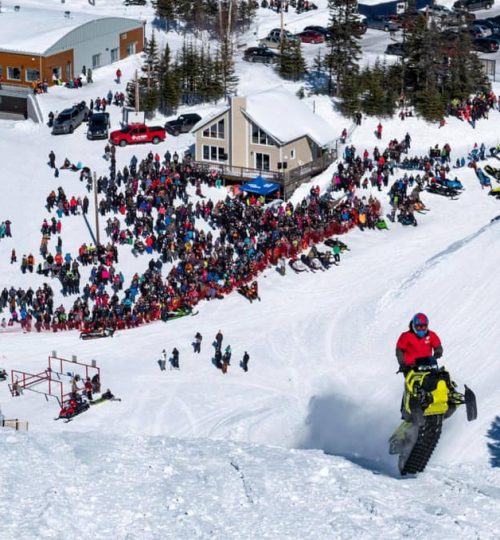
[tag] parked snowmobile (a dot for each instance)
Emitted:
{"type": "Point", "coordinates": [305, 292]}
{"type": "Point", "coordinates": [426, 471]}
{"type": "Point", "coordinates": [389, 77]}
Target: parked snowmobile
{"type": "Point", "coordinates": [430, 396]}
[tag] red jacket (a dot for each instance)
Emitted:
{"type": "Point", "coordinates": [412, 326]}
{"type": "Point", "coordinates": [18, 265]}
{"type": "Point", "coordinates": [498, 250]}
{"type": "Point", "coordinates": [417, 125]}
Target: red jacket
{"type": "Point", "coordinates": [414, 347]}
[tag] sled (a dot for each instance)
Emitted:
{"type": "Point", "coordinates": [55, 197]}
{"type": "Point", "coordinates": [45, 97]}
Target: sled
{"type": "Point", "coordinates": [297, 266]}
{"type": "Point", "coordinates": [430, 397]}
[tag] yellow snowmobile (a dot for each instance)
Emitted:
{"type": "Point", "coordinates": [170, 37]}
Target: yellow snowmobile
{"type": "Point", "coordinates": [429, 397]}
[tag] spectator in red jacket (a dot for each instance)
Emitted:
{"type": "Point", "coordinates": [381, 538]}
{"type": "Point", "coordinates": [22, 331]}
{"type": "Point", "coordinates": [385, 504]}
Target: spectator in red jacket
{"type": "Point", "coordinates": [417, 342]}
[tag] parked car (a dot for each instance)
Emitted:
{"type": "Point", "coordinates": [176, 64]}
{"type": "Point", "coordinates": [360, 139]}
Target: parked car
{"type": "Point", "coordinates": [135, 2]}
{"type": "Point", "coordinates": [262, 55]}
{"type": "Point", "coordinates": [326, 32]}
{"type": "Point", "coordinates": [182, 124]}
{"type": "Point", "coordinates": [276, 33]}
{"type": "Point", "coordinates": [489, 23]}
{"type": "Point", "coordinates": [137, 133]}
{"type": "Point", "coordinates": [270, 42]}
{"type": "Point", "coordinates": [310, 36]}
{"type": "Point", "coordinates": [98, 126]}
{"type": "Point", "coordinates": [473, 5]}
{"type": "Point", "coordinates": [479, 30]}
{"type": "Point", "coordinates": [396, 49]}
{"type": "Point", "coordinates": [382, 22]}
{"type": "Point", "coordinates": [69, 119]}
{"type": "Point", "coordinates": [485, 44]}
{"type": "Point", "coordinates": [438, 10]}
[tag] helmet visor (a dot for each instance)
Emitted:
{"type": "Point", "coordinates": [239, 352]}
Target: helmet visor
{"type": "Point", "coordinates": [421, 327]}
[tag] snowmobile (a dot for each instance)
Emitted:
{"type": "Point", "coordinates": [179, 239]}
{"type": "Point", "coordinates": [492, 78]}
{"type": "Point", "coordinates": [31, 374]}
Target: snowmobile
{"type": "Point", "coordinates": [446, 191]}
{"type": "Point", "coordinates": [71, 408]}
{"type": "Point", "coordinates": [95, 334]}
{"type": "Point", "coordinates": [493, 171]}
{"type": "Point", "coordinates": [429, 397]}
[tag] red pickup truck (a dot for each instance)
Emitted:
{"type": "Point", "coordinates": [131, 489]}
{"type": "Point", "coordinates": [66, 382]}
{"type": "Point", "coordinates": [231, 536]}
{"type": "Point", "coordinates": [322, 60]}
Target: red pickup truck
{"type": "Point", "coordinates": [137, 133]}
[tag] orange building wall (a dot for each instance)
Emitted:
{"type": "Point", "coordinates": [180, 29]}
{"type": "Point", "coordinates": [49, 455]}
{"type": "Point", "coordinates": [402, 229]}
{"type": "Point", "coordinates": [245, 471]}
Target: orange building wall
{"type": "Point", "coordinates": [43, 65]}
{"type": "Point", "coordinates": [58, 60]}
{"type": "Point", "coordinates": [126, 38]}
{"type": "Point", "coordinates": [21, 61]}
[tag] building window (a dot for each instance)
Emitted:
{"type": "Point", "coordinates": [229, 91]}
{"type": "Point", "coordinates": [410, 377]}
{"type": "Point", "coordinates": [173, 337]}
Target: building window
{"type": "Point", "coordinates": [96, 60]}
{"type": "Point", "coordinates": [261, 137]}
{"type": "Point", "coordinates": [124, 36]}
{"type": "Point", "coordinates": [114, 55]}
{"type": "Point", "coordinates": [220, 129]}
{"type": "Point", "coordinates": [1, 72]}
{"type": "Point", "coordinates": [68, 71]}
{"type": "Point", "coordinates": [32, 74]}
{"type": "Point", "coordinates": [214, 153]}
{"type": "Point", "coordinates": [215, 131]}
{"type": "Point", "coordinates": [292, 153]}
{"type": "Point", "coordinates": [13, 74]}
{"type": "Point", "coordinates": [262, 161]}
{"type": "Point", "coordinates": [131, 49]}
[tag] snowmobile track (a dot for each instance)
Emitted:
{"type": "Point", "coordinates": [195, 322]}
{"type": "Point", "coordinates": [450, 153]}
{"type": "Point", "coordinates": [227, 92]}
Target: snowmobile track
{"type": "Point", "coordinates": [427, 439]}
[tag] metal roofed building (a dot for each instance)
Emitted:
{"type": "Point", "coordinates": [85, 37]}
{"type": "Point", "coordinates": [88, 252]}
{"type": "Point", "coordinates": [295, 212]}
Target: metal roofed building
{"type": "Point", "coordinates": [49, 44]}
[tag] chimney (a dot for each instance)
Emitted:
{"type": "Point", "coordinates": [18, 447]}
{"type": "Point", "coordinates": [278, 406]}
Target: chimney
{"type": "Point", "coordinates": [17, 8]}
{"type": "Point", "coordinates": [67, 14]}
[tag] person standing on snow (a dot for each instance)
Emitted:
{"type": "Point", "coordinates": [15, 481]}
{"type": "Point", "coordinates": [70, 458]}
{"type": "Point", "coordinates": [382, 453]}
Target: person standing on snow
{"type": "Point", "coordinates": [417, 342]}
{"type": "Point", "coordinates": [244, 362]}
{"type": "Point", "coordinates": [197, 342]}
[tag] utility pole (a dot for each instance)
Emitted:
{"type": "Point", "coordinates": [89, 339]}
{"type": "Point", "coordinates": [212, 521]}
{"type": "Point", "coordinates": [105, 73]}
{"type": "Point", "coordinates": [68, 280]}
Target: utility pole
{"type": "Point", "coordinates": [97, 235]}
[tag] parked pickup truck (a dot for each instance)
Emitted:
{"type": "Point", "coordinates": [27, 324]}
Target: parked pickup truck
{"type": "Point", "coordinates": [137, 133]}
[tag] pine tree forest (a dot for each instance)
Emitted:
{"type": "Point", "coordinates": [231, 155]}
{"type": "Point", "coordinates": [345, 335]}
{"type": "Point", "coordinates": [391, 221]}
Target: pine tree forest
{"type": "Point", "coordinates": [438, 64]}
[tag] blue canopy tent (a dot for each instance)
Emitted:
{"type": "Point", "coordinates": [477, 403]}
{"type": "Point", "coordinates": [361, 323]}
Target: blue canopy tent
{"type": "Point", "coordinates": [260, 185]}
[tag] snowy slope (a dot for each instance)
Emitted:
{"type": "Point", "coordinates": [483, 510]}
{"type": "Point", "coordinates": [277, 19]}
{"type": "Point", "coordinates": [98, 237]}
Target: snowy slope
{"type": "Point", "coordinates": [321, 374]}
{"type": "Point", "coordinates": [155, 488]}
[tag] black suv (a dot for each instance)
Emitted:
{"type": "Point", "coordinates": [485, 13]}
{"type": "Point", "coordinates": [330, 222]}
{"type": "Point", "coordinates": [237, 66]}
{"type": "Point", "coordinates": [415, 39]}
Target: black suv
{"type": "Point", "coordinates": [98, 126]}
{"type": "Point", "coordinates": [260, 54]}
{"type": "Point", "coordinates": [135, 2]}
{"type": "Point", "coordinates": [183, 124]}
{"type": "Point", "coordinates": [472, 5]}
{"type": "Point", "coordinates": [69, 119]}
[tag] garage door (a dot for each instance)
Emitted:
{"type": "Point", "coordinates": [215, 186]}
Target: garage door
{"type": "Point", "coordinates": [13, 107]}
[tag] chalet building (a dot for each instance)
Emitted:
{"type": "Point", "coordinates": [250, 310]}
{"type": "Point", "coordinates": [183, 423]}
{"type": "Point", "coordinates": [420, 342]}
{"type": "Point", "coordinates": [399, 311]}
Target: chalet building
{"type": "Point", "coordinates": [49, 44]}
{"type": "Point", "coordinates": [272, 133]}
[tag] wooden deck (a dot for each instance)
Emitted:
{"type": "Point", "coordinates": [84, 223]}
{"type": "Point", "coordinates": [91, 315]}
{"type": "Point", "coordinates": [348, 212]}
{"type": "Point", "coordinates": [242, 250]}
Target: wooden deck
{"type": "Point", "coordinates": [288, 180]}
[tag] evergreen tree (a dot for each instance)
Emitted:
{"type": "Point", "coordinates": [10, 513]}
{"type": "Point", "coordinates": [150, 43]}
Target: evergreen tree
{"type": "Point", "coordinates": [166, 9]}
{"type": "Point", "coordinates": [291, 64]}
{"type": "Point", "coordinates": [229, 79]}
{"type": "Point", "coordinates": [342, 58]}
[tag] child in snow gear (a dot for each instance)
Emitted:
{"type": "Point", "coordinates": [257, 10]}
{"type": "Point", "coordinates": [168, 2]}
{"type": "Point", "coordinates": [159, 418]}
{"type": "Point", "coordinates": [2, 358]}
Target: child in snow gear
{"type": "Point", "coordinates": [162, 362]}
{"type": "Point", "coordinates": [197, 342]}
{"type": "Point", "coordinates": [218, 341]}
{"type": "Point", "coordinates": [175, 358]}
{"type": "Point", "coordinates": [244, 362]}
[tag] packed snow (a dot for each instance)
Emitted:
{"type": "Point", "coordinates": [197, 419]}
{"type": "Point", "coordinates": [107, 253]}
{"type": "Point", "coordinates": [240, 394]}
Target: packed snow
{"type": "Point", "coordinates": [296, 447]}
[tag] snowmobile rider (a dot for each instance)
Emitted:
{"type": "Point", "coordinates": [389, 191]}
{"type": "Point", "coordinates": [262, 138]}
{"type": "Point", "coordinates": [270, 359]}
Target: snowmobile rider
{"type": "Point", "coordinates": [417, 342]}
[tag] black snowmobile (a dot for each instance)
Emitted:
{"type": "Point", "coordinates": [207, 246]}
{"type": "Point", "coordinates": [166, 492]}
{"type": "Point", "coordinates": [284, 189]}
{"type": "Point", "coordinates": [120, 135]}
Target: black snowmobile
{"type": "Point", "coordinates": [430, 396]}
